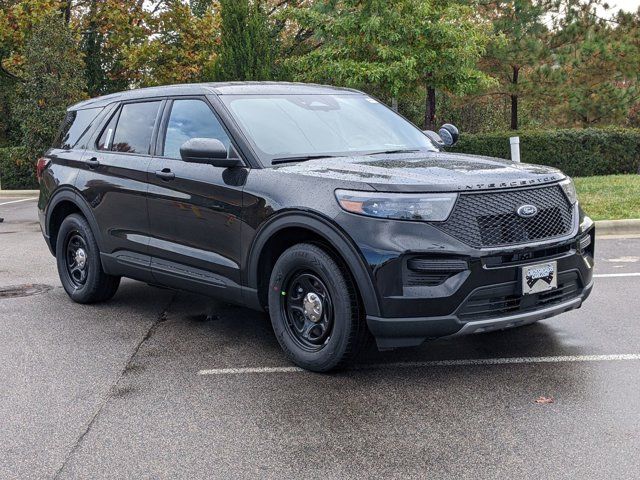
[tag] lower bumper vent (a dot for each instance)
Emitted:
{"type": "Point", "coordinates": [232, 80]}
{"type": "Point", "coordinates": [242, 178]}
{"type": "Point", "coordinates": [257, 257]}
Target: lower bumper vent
{"type": "Point", "coordinates": [491, 302]}
{"type": "Point", "coordinates": [431, 272]}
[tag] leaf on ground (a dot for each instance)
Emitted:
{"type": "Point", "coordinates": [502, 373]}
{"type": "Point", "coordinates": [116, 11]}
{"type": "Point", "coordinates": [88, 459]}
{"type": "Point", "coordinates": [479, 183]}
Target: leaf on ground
{"type": "Point", "coordinates": [543, 400]}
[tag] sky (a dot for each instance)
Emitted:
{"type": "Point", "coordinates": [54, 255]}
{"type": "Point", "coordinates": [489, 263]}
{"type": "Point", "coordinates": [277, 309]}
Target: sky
{"type": "Point", "coordinates": [628, 5]}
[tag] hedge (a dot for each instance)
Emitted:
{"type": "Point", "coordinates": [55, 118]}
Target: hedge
{"type": "Point", "coordinates": [17, 170]}
{"type": "Point", "coordinates": [578, 153]}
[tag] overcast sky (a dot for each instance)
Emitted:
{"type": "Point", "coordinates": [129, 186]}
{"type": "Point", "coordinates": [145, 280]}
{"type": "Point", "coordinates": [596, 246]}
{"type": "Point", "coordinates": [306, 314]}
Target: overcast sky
{"type": "Point", "coordinates": [628, 5]}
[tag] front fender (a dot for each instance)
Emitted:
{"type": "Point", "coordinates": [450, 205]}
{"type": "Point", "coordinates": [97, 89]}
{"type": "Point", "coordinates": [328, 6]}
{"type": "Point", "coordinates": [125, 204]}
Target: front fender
{"type": "Point", "coordinates": [332, 234]}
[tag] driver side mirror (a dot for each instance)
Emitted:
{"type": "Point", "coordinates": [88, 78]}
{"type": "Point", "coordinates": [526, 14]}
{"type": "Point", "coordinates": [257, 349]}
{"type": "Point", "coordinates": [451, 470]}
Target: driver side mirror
{"type": "Point", "coordinates": [208, 151]}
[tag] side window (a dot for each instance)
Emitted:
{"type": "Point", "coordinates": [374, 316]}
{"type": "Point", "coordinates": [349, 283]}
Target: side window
{"type": "Point", "coordinates": [134, 128]}
{"type": "Point", "coordinates": [191, 119]}
{"type": "Point", "coordinates": [74, 125]}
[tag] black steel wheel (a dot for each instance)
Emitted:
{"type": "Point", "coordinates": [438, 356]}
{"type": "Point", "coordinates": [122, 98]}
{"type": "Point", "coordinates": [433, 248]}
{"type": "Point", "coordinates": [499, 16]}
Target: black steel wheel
{"type": "Point", "coordinates": [77, 261]}
{"type": "Point", "coordinates": [308, 309]}
{"type": "Point", "coordinates": [314, 309]}
{"type": "Point", "coordinates": [79, 265]}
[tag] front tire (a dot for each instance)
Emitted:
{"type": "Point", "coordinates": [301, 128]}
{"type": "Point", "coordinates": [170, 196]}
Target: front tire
{"type": "Point", "coordinates": [314, 309]}
{"type": "Point", "coordinates": [79, 265]}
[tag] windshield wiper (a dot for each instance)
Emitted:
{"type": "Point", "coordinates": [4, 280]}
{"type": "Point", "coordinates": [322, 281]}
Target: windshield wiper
{"type": "Point", "coordinates": [304, 158]}
{"type": "Point", "coordinates": [389, 152]}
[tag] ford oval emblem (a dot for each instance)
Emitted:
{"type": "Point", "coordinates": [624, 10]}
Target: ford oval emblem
{"type": "Point", "coordinates": [527, 211]}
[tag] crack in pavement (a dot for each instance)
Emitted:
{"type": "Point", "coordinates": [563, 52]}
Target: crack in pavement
{"type": "Point", "coordinates": [162, 317]}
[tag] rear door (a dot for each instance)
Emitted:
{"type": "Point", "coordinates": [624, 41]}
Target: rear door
{"type": "Point", "coordinates": [114, 183]}
{"type": "Point", "coordinates": [68, 150]}
{"type": "Point", "coordinates": [194, 209]}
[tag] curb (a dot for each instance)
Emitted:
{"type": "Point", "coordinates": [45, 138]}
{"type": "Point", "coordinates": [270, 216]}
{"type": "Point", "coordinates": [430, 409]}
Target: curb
{"type": "Point", "coordinates": [19, 193]}
{"type": "Point", "coordinates": [618, 227]}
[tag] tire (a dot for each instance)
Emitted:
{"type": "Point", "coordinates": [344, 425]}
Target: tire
{"type": "Point", "coordinates": [319, 342]}
{"type": "Point", "coordinates": [79, 265]}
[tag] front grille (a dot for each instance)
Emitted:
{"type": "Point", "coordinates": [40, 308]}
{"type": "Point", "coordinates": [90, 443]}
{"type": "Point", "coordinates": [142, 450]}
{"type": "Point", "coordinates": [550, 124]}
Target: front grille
{"type": "Point", "coordinates": [490, 219]}
{"type": "Point", "coordinates": [491, 302]}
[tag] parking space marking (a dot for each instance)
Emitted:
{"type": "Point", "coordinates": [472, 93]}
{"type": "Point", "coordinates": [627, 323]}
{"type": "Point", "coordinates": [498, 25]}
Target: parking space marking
{"type": "Point", "coordinates": [436, 363]}
{"type": "Point", "coordinates": [614, 275]}
{"type": "Point", "coordinates": [17, 201]}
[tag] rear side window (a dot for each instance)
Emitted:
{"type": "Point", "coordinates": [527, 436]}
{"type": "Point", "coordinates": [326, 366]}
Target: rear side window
{"type": "Point", "coordinates": [191, 119]}
{"type": "Point", "coordinates": [75, 124]}
{"type": "Point", "coordinates": [134, 128]}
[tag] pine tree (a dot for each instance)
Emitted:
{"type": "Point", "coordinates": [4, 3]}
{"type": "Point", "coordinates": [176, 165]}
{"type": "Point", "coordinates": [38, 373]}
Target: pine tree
{"type": "Point", "coordinates": [518, 46]}
{"type": "Point", "coordinates": [248, 45]}
{"type": "Point", "coordinates": [594, 72]}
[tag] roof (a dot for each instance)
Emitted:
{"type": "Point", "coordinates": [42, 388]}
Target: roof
{"type": "Point", "coordinates": [220, 88]}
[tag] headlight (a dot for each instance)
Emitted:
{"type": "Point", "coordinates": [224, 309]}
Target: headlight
{"type": "Point", "coordinates": [434, 207]}
{"type": "Point", "coordinates": [569, 190]}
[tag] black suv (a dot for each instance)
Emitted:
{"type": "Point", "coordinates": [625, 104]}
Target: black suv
{"type": "Point", "coordinates": [318, 204]}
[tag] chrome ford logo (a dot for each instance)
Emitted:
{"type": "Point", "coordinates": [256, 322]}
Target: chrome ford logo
{"type": "Point", "coordinates": [527, 211]}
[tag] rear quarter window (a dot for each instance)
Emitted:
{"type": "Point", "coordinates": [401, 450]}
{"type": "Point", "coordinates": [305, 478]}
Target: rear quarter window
{"type": "Point", "coordinates": [74, 126]}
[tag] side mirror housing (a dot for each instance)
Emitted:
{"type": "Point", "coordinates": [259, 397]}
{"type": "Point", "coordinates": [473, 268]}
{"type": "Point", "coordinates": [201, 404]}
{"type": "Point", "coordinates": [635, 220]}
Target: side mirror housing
{"type": "Point", "coordinates": [435, 138]}
{"type": "Point", "coordinates": [449, 134]}
{"type": "Point", "coordinates": [208, 151]}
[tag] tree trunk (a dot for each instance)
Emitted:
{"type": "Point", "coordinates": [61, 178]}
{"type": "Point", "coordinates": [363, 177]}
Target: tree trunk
{"type": "Point", "coordinates": [514, 98]}
{"type": "Point", "coordinates": [394, 104]}
{"type": "Point", "coordinates": [430, 113]}
{"type": "Point", "coordinates": [66, 11]}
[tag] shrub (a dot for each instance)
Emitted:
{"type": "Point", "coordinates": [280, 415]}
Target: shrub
{"type": "Point", "coordinates": [578, 153]}
{"type": "Point", "coordinates": [17, 170]}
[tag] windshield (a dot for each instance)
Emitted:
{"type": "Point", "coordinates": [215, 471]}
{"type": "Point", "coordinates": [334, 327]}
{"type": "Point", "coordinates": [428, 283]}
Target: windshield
{"type": "Point", "coordinates": [297, 126]}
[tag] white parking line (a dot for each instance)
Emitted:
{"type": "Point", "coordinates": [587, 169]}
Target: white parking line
{"type": "Point", "coordinates": [436, 363]}
{"type": "Point", "coordinates": [613, 275]}
{"type": "Point", "coordinates": [21, 200]}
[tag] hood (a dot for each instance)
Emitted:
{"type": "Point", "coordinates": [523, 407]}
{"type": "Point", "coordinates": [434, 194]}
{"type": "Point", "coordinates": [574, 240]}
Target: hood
{"type": "Point", "coordinates": [426, 171]}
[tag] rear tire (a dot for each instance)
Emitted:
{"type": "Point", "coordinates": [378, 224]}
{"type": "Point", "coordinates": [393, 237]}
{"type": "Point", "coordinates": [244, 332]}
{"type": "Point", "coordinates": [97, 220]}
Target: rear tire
{"type": "Point", "coordinates": [79, 265]}
{"type": "Point", "coordinates": [314, 309]}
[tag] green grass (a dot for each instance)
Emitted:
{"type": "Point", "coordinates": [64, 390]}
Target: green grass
{"type": "Point", "coordinates": [610, 197]}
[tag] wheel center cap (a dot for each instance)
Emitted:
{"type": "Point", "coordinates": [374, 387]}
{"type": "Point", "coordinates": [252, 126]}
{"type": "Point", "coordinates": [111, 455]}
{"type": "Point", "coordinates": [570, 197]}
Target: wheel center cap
{"type": "Point", "coordinates": [312, 307]}
{"type": "Point", "coordinates": [81, 258]}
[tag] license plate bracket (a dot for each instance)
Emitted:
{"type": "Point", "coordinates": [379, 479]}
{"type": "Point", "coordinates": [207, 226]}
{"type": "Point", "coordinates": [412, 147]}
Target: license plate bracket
{"type": "Point", "coordinates": [540, 277]}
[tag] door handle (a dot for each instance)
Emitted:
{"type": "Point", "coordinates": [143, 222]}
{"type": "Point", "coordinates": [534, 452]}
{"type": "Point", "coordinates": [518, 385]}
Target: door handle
{"type": "Point", "coordinates": [165, 174]}
{"type": "Point", "coordinates": [92, 162]}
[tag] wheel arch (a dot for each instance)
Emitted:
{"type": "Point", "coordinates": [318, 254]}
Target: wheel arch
{"type": "Point", "coordinates": [62, 204]}
{"type": "Point", "coordinates": [293, 227]}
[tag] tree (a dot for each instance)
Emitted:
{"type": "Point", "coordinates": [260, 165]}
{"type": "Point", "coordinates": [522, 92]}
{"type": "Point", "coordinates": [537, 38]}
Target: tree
{"type": "Point", "coordinates": [517, 47]}
{"type": "Point", "coordinates": [392, 48]}
{"type": "Point", "coordinates": [182, 48]}
{"type": "Point", "coordinates": [595, 65]}
{"type": "Point", "coordinates": [451, 40]}
{"type": "Point", "coordinates": [110, 30]}
{"type": "Point", "coordinates": [17, 20]}
{"type": "Point", "coordinates": [248, 44]}
{"type": "Point", "coordinates": [52, 80]}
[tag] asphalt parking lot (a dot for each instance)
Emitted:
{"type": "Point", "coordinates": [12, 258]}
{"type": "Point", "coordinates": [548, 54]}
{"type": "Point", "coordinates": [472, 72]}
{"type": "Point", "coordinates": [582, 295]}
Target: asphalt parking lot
{"type": "Point", "coordinates": [159, 384]}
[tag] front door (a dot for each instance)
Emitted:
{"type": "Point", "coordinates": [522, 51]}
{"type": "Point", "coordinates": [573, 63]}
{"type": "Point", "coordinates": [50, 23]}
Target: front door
{"type": "Point", "coordinates": [194, 209]}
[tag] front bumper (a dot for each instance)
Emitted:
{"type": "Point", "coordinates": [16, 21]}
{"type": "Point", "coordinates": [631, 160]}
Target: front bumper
{"type": "Point", "coordinates": [485, 292]}
{"type": "Point", "coordinates": [409, 332]}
